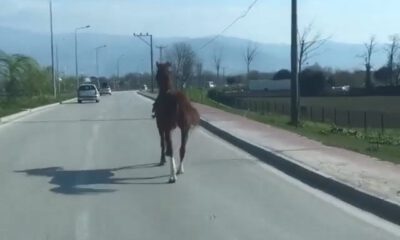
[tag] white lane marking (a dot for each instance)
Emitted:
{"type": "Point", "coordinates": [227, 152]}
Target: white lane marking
{"type": "Point", "coordinates": [25, 117]}
{"type": "Point", "coordinates": [90, 146]}
{"type": "Point", "coordinates": [82, 226]}
{"type": "Point", "coordinates": [349, 209]}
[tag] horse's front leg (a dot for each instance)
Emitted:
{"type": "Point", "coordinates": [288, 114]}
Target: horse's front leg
{"type": "Point", "coordinates": [169, 153]}
{"type": "Point", "coordinates": [162, 143]}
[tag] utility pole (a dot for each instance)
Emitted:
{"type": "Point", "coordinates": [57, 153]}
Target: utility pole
{"type": "Point", "coordinates": [294, 88]}
{"type": "Point", "coordinates": [161, 48]}
{"type": "Point", "coordinates": [52, 49]}
{"type": "Point", "coordinates": [58, 74]}
{"type": "Point", "coordinates": [150, 44]}
{"type": "Point", "coordinates": [152, 63]}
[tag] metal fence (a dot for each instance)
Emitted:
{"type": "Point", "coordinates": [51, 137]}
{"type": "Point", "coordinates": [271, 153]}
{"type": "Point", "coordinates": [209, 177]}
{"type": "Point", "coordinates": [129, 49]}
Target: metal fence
{"type": "Point", "coordinates": [344, 118]}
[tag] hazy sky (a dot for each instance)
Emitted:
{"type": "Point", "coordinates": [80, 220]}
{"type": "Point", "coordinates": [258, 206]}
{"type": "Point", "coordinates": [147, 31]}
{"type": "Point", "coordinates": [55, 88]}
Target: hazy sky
{"type": "Point", "coordinates": [269, 21]}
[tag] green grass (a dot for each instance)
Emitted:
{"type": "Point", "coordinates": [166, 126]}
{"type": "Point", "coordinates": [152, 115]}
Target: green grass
{"type": "Point", "coordinates": [385, 147]}
{"type": "Point", "coordinates": [11, 106]}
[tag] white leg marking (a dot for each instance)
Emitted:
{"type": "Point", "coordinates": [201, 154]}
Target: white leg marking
{"type": "Point", "coordinates": [180, 168]}
{"type": "Point", "coordinates": [172, 177]}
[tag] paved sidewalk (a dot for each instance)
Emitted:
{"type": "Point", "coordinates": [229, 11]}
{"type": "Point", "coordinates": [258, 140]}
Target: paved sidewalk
{"type": "Point", "coordinates": [371, 175]}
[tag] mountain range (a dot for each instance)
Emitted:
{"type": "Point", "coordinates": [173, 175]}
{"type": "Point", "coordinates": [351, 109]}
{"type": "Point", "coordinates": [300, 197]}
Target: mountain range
{"type": "Point", "coordinates": [269, 57]}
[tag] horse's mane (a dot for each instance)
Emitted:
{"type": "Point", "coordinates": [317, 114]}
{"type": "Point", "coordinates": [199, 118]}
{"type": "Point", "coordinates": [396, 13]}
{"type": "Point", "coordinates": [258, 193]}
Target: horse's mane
{"type": "Point", "coordinates": [163, 77]}
{"type": "Point", "coordinates": [181, 104]}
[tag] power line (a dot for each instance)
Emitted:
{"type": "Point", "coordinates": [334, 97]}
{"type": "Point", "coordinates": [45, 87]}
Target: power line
{"type": "Point", "coordinates": [243, 15]}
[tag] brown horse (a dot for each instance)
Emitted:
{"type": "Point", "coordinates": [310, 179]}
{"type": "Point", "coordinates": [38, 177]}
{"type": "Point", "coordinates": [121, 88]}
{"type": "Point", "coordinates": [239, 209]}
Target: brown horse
{"type": "Point", "coordinates": [172, 108]}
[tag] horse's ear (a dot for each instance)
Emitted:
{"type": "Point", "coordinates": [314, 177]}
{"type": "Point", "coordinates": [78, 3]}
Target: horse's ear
{"type": "Point", "coordinates": [168, 64]}
{"type": "Point", "coordinates": [158, 64]}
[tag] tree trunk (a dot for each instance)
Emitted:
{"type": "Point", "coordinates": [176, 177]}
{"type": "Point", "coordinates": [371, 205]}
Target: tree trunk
{"type": "Point", "coordinates": [368, 82]}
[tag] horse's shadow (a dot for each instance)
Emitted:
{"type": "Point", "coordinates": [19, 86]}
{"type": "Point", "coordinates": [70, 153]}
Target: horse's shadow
{"type": "Point", "coordinates": [70, 181]}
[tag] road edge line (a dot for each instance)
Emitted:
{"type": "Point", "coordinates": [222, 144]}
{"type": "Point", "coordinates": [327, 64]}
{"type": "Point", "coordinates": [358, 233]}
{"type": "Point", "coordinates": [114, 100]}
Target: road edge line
{"type": "Point", "coordinates": [24, 113]}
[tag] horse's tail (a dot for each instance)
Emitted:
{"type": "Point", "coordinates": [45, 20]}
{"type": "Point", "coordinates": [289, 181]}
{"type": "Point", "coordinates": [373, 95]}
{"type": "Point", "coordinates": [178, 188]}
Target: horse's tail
{"type": "Point", "coordinates": [189, 113]}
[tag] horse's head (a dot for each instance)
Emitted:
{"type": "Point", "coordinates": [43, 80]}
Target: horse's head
{"type": "Point", "coordinates": [163, 76]}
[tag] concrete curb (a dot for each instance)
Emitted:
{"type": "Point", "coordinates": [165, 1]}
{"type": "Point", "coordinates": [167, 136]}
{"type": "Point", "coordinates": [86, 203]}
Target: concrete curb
{"type": "Point", "coordinates": [24, 113]}
{"type": "Point", "coordinates": [362, 200]}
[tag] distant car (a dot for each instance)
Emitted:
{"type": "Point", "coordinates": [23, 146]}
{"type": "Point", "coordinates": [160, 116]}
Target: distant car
{"type": "Point", "coordinates": [88, 92]}
{"type": "Point", "coordinates": [211, 84]}
{"type": "Point", "coordinates": [105, 90]}
{"type": "Point", "coordinates": [344, 88]}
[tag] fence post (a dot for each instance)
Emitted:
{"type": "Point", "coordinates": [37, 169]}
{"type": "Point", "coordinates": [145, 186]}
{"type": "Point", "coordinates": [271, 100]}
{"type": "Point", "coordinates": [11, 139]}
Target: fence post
{"type": "Point", "coordinates": [263, 107]}
{"type": "Point", "coordinates": [348, 119]}
{"type": "Point", "coordinates": [334, 116]}
{"type": "Point", "coordinates": [323, 114]}
{"type": "Point", "coordinates": [311, 118]}
{"type": "Point", "coordinates": [382, 124]}
{"type": "Point", "coordinates": [365, 121]}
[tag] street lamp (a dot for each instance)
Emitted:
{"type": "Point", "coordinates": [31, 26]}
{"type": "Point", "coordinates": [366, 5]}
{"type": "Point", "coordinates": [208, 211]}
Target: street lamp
{"type": "Point", "coordinates": [118, 62]}
{"type": "Point", "coordinates": [118, 70]}
{"type": "Point", "coordinates": [52, 48]}
{"type": "Point", "coordinates": [76, 53]}
{"type": "Point", "coordinates": [97, 62]}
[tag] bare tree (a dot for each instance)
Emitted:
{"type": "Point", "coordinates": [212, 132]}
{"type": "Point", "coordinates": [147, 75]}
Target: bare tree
{"type": "Point", "coordinates": [369, 49]}
{"type": "Point", "coordinates": [309, 42]}
{"type": "Point", "coordinates": [250, 54]}
{"type": "Point", "coordinates": [392, 50]}
{"type": "Point", "coordinates": [217, 58]}
{"type": "Point", "coordinates": [182, 58]}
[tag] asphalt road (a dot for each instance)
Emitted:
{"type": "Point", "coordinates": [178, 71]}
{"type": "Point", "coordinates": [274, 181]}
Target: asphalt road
{"type": "Point", "coordinates": [87, 171]}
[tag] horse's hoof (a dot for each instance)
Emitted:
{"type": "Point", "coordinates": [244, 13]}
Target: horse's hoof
{"type": "Point", "coordinates": [161, 164]}
{"type": "Point", "coordinates": [172, 180]}
{"type": "Point", "coordinates": [180, 169]}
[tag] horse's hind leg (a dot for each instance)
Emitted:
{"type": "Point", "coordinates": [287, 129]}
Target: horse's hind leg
{"type": "Point", "coordinates": [169, 154]}
{"type": "Point", "coordinates": [182, 150]}
{"type": "Point", "coordinates": [162, 141]}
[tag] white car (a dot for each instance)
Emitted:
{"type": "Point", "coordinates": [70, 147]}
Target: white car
{"type": "Point", "coordinates": [88, 92]}
{"type": "Point", "coordinates": [106, 90]}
